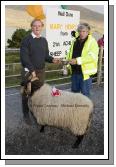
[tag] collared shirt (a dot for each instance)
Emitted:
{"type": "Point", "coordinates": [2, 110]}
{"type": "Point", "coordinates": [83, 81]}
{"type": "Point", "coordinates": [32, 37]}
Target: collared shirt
{"type": "Point", "coordinates": [34, 36]}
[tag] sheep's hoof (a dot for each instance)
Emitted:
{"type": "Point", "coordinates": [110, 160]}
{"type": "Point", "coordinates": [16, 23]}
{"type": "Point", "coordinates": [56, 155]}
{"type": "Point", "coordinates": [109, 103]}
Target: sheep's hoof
{"type": "Point", "coordinates": [78, 141]}
{"type": "Point", "coordinates": [75, 145]}
{"type": "Point", "coordinates": [42, 128]}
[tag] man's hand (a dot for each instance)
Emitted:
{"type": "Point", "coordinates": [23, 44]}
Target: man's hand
{"type": "Point", "coordinates": [56, 61]}
{"type": "Point", "coordinates": [33, 74]}
{"type": "Point", "coordinates": [73, 61]}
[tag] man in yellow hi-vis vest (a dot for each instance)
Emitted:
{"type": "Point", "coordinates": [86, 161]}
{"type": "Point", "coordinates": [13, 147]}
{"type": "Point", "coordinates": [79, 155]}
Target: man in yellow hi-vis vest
{"type": "Point", "coordinates": [83, 58]}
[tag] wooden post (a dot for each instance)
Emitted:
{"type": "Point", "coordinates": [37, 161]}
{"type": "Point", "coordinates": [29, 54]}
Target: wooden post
{"type": "Point", "coordinates": [99, 74]}
{"type": "Point", "coordinates": [13, 68]}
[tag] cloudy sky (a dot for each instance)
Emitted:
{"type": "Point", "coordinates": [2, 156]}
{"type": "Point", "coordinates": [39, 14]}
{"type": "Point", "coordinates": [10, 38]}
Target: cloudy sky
{"type": "Point", "coordinates": [96, 8]}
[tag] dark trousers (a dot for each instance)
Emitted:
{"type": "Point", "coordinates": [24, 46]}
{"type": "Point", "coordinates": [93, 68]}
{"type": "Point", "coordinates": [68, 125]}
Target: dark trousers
{"type": "Point", "coordinates": [80, 85]}
{"type": "Point", "coordinates": [25, 107]}
{"type": "Point", "coordinates": [41, 75]}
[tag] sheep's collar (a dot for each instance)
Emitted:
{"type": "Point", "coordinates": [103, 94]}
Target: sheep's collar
{"type": "Point", "coordinates": [55, 92]}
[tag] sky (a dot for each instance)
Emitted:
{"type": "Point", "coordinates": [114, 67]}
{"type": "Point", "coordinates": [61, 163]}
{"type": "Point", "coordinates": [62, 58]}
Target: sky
{"type": "Point", "coordinates": [96, 8]}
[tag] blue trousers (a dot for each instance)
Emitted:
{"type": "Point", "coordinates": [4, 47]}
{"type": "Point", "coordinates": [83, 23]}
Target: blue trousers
{"type": "Point", "coordinates": [81, 85]}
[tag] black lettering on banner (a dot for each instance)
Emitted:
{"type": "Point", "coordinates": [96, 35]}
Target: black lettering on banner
{"type": "Point", "coordinates": [66, 52]}
{"type": "Point", "coordinates": [61, 13]}
{"type": "Point", "coordinates": [69, 14]}
{"type": "Point", "coordinates": [66, 43]}
{"type": "Point", "coordinates": [55, 44]}
{"type": "Point", "coordinates": [56, 53]}
{"type": "Point", "coordinates": [63, 33]}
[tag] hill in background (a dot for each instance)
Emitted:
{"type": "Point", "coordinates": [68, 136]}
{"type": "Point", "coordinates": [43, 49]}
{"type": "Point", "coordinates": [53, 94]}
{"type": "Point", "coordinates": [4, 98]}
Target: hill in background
{"type": "Point", "coordinates": [96, 20]}
{"type": "Point", "coordinates": [17, 17]}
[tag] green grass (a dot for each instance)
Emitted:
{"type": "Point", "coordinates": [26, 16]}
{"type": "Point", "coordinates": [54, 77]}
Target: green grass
{"type": "Point", "coordinates": [12, 81]}
{"type": "Point", "coordinates": [13, 70]}
{"type": "Point", "coordinates": [16, 69]}
{"type": "Point", "coordinates": [17, 80]}
{"type": "Point", "coordinates": [12, 58]}
{"type": "Point", "coordinates": [65, 80]}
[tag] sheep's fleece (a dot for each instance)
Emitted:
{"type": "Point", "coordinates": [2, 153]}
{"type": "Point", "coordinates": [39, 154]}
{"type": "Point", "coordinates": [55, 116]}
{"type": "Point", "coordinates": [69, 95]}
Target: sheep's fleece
{"type": "Point", "coordinates": [69, 110]}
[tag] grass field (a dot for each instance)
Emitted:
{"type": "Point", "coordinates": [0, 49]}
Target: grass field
{"type": "Point", "coordinates": [15, 69]}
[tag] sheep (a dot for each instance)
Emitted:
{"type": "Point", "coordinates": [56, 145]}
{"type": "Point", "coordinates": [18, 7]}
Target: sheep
{"type": "Point", "coordinates": [71, 111]}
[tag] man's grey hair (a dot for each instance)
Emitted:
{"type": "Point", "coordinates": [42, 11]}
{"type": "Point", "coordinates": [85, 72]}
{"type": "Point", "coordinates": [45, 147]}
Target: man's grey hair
{"type": "Point", "coordinates": [83, 26]}
{"type": "Point", "coordinates": [33, 21]}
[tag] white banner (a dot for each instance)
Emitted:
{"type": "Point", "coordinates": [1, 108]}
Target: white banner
{"type": "Point", "coordinates": [59, 24]}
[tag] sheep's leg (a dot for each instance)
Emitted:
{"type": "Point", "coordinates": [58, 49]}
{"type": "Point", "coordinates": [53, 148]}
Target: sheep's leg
{"type": "Point", "coordinates": [78, 141]}
{"type": "Point", "coordinates": [42, 128]}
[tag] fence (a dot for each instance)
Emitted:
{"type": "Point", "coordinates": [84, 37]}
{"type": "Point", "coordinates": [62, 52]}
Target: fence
{"type": "Point", "coordinates": [100, 73]}
{"type": "Point", "coordinates": [63, 80]}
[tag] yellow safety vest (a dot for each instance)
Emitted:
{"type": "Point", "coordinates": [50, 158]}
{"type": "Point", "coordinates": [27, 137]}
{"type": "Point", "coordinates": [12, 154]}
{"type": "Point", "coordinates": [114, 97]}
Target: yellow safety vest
{"type": "Point", "coordinates": [89, 57]}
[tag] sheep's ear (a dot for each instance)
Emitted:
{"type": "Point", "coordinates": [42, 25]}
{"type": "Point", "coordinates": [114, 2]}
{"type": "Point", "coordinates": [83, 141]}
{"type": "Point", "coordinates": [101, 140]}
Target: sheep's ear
{"type": "Point", "coordinates": [29, 88]}
{"type": "Point", "coordinates": [35, 78]}
{"type": "Point", "coordinates": [30, 77]}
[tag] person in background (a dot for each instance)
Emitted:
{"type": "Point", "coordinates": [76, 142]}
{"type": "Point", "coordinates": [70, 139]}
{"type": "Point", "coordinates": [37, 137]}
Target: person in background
{"type": "Point", "coordinates": [83, 58]}
{"type": "Point", "coordinates": [101, 42]}
{"type": "Point", "coordinates": [34, 53]}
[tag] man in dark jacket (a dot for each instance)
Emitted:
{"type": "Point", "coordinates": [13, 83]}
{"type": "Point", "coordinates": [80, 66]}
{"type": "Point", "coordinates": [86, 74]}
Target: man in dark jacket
{"type": "Point", "coordinates": [34, 53]}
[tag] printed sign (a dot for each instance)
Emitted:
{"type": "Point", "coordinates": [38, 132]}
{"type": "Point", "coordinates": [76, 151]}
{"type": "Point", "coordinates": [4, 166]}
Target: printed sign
{"type": "Point", "coordinates": [59, 24]}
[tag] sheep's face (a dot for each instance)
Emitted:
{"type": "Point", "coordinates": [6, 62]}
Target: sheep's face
{"type": "Point", "coordinates": [34, 85]}
{"type": "Point", "coordinates": [31, 86]}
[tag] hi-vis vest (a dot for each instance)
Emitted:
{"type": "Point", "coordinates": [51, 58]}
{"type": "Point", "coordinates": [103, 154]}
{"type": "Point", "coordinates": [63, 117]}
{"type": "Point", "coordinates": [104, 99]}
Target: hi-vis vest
{"type": "Point", "coordinates": [89, 57]}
